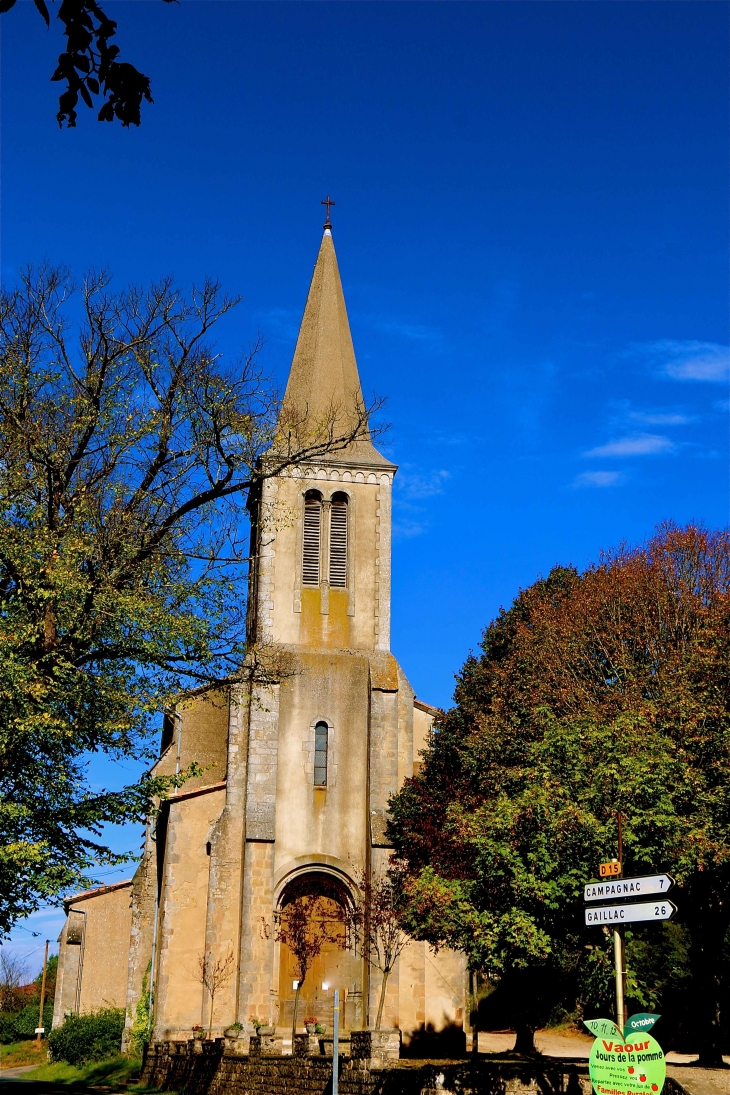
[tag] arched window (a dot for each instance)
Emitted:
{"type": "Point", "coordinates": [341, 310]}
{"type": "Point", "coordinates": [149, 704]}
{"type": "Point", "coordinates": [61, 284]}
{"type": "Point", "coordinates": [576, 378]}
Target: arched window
{"type": "Point", "coordinates": [311, 539]}
{"type": "Point", "coordinates": [338, 541]}
{"type": "Point", "coordinates": [321, 733]}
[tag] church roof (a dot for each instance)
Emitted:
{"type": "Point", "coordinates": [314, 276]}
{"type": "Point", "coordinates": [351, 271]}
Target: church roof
{"type": "Point", "coordinates": [324, 389]}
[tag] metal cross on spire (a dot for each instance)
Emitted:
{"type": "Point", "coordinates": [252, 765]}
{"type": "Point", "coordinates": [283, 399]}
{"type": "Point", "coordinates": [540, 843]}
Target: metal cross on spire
{"type": "Point", "coordinates": [328, 202]}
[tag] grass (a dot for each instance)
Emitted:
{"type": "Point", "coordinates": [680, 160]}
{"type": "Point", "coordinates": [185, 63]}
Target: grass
{"type": "Point", "coordinates": [113, 1071]}
{"type": "Point", "coordinates": [25, 1052]}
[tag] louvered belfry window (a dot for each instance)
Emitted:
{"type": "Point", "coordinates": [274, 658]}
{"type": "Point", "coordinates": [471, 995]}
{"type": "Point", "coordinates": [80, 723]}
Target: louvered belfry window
{"type": "Point", "coordinates": [312, 532]}
{"type": "Point", "coordinates": [320, 754]}
{"type": "Point", "coordinates": [338, 541]}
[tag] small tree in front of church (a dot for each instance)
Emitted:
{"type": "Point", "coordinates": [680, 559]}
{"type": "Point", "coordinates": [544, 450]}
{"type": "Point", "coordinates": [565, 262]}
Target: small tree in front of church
{"type": "Point", "coordinates": [376, 923]}
{"type": "Point", "coordinates": [213, 974]}
{"type": "Point", "coordinates": [305, 925]}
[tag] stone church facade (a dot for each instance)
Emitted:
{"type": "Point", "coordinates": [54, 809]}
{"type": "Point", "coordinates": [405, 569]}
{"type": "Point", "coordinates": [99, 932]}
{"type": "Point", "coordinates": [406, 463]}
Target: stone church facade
{"type": "Point", "coordinates": [299, 765]}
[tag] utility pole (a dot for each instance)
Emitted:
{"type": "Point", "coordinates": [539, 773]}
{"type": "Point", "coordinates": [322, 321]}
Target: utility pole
{"type": "Point", "coordinates": [40, 1030]}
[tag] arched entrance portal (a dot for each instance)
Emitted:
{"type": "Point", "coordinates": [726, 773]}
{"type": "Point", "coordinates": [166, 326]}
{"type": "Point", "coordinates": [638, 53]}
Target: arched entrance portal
{"type": "Point", "coordinates": [337, 966]}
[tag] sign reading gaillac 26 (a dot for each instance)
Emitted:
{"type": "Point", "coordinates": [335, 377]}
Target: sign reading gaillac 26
{"type": "Point", "coordinates": [631, 1063]}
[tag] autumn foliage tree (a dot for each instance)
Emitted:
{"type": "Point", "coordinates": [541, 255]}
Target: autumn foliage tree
{"type": "Point", "coordinates": [129, 447]}
{"type": "Point", "coordinates": [375, 922]}
{"type": "Point", "coordinates": [305, 925]}
{"type": "Point", "coordinates": [213, 973]}
{"type": "Point", "coordinates": [595, 692]}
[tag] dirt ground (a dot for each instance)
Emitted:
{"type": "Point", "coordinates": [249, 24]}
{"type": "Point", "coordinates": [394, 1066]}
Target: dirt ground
{"type": "Point", "coordinates": [577, 1045]}
{"type": "Point", "coordinates": [558, 1044]}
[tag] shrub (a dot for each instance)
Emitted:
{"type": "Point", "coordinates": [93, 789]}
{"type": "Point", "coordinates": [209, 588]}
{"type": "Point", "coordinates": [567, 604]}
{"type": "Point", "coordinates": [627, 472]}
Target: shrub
{"type": "Point", "coordinates": [17, 1025]}
{"type": "Point", "coordinates": [142, 1024]}
{"type": "Point", "coordinates": [87, 1037]}
{"type": "Point", "coordinates": [7, 1028]}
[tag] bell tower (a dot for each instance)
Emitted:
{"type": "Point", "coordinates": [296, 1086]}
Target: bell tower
{"type": "Point", "coordinates": [322, 530]}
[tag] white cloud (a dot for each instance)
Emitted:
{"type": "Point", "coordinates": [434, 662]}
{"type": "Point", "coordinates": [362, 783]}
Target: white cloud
{"type": "Point", "coordinates": [417, 332]}
{"type": "Point", "coordinates": [405, 530]}
{"type": "Point", "coordinates": [598, 479]}
{"type": "Point", "coordinates": [417, 485]}
{"type": "Point", "coordinates": [686, 359]}
{"type": "Point", "coordinates": [281, 324]}
{"type": "Point", "coordinates": [660, 419]}
{"type": "Point", "coordinates": [412, 487]}
{"type": "Point", "coordinates": [640, 444]}
{"type": "Point", "coordinates": [439, 438]}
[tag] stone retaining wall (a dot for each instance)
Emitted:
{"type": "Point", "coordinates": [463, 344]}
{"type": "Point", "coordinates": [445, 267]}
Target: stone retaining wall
{"type": "Point", "coordinates": [213, 1069]}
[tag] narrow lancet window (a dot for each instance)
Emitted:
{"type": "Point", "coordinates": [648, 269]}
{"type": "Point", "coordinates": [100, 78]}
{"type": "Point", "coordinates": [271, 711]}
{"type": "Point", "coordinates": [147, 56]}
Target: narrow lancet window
{"type": "Point", "coordinates": [311, 539]}
{"type": "Point", "coordinates": [320, 754]}
{"type": "Point", "coordinates": [338, 541]}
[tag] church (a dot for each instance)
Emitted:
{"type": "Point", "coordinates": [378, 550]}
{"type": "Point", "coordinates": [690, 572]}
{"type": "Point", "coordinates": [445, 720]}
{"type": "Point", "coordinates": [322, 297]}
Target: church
{"type": "Point", "coordinates": [298, 765]}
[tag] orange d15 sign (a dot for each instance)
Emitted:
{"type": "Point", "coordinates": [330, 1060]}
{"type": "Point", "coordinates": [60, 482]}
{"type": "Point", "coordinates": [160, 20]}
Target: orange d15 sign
{"type": "Point", "coordinates": [610, 870]}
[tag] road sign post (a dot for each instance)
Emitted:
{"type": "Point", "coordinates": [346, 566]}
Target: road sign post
{"type": "Point", "coordinates": [336, 1045]}
{"type": "Point", "coordinates": [618, 961]}
{"type": "Point", "coordinates": [623, 912]}
{"type": "Point", "coordinates": [619, 954]}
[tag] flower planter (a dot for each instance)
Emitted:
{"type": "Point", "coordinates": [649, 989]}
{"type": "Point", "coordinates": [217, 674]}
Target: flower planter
{"type": "Point", "coordinates": [265, 1045]}
{"type": "Point", "coordinates": [237, 1046]}
{"type": "Point", "coordinates": [307, 1045]}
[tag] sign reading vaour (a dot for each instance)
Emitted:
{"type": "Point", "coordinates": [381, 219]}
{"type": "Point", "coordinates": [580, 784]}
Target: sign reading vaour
{"type": "Point", "coordinates": [631, 1063]}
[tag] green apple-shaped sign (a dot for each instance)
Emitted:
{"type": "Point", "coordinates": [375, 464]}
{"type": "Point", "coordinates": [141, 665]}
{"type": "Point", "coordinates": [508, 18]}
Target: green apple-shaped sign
{"type": "Point", "coordinates": [631, 1063]}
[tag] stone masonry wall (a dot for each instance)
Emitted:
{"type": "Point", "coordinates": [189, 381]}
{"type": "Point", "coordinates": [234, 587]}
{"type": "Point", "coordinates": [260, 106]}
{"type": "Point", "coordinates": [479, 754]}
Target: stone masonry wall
{"type": "Point", "coordinates": [207, 1070]}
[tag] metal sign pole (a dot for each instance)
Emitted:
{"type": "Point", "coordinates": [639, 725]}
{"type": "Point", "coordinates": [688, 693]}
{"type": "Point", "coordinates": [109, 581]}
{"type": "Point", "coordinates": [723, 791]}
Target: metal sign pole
{"type": "Point", "coordinates": [618, 957]}
{"type": "Point", "coordinates": [618, 943]}
{"type": "Point", "coordinates": [336, 1045]}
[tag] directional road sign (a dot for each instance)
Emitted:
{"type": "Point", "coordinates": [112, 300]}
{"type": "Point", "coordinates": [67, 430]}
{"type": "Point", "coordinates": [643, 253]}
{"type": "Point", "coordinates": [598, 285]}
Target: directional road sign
{"type": "Point", "coordinates": [628, 887]}
{"type": "Point", "coordinates": [630, 913]}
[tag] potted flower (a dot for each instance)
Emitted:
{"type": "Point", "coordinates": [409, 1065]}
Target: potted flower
{"type": "Point", "coordinates": [199, 1033]}
{"type": "Point", "coordinates": [310, 1024]}
{"type": "Point", "coordinates": [260, 1026]}
{"type": "Point", "coordinates": [233, 1030]}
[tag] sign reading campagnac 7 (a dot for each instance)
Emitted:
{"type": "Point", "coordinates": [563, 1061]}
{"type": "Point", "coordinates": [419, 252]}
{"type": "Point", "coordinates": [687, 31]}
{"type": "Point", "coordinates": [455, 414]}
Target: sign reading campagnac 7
{"type": "Point", "coordinates": [628, 887]}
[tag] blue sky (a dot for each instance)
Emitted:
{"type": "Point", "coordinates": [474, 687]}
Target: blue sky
{"type": "Point", "coordinates": [531, 225]}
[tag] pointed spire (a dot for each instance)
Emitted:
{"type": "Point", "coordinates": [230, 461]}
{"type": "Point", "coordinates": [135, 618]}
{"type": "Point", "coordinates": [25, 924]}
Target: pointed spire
{"type": "Point", "coordinates": [323, 380]}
